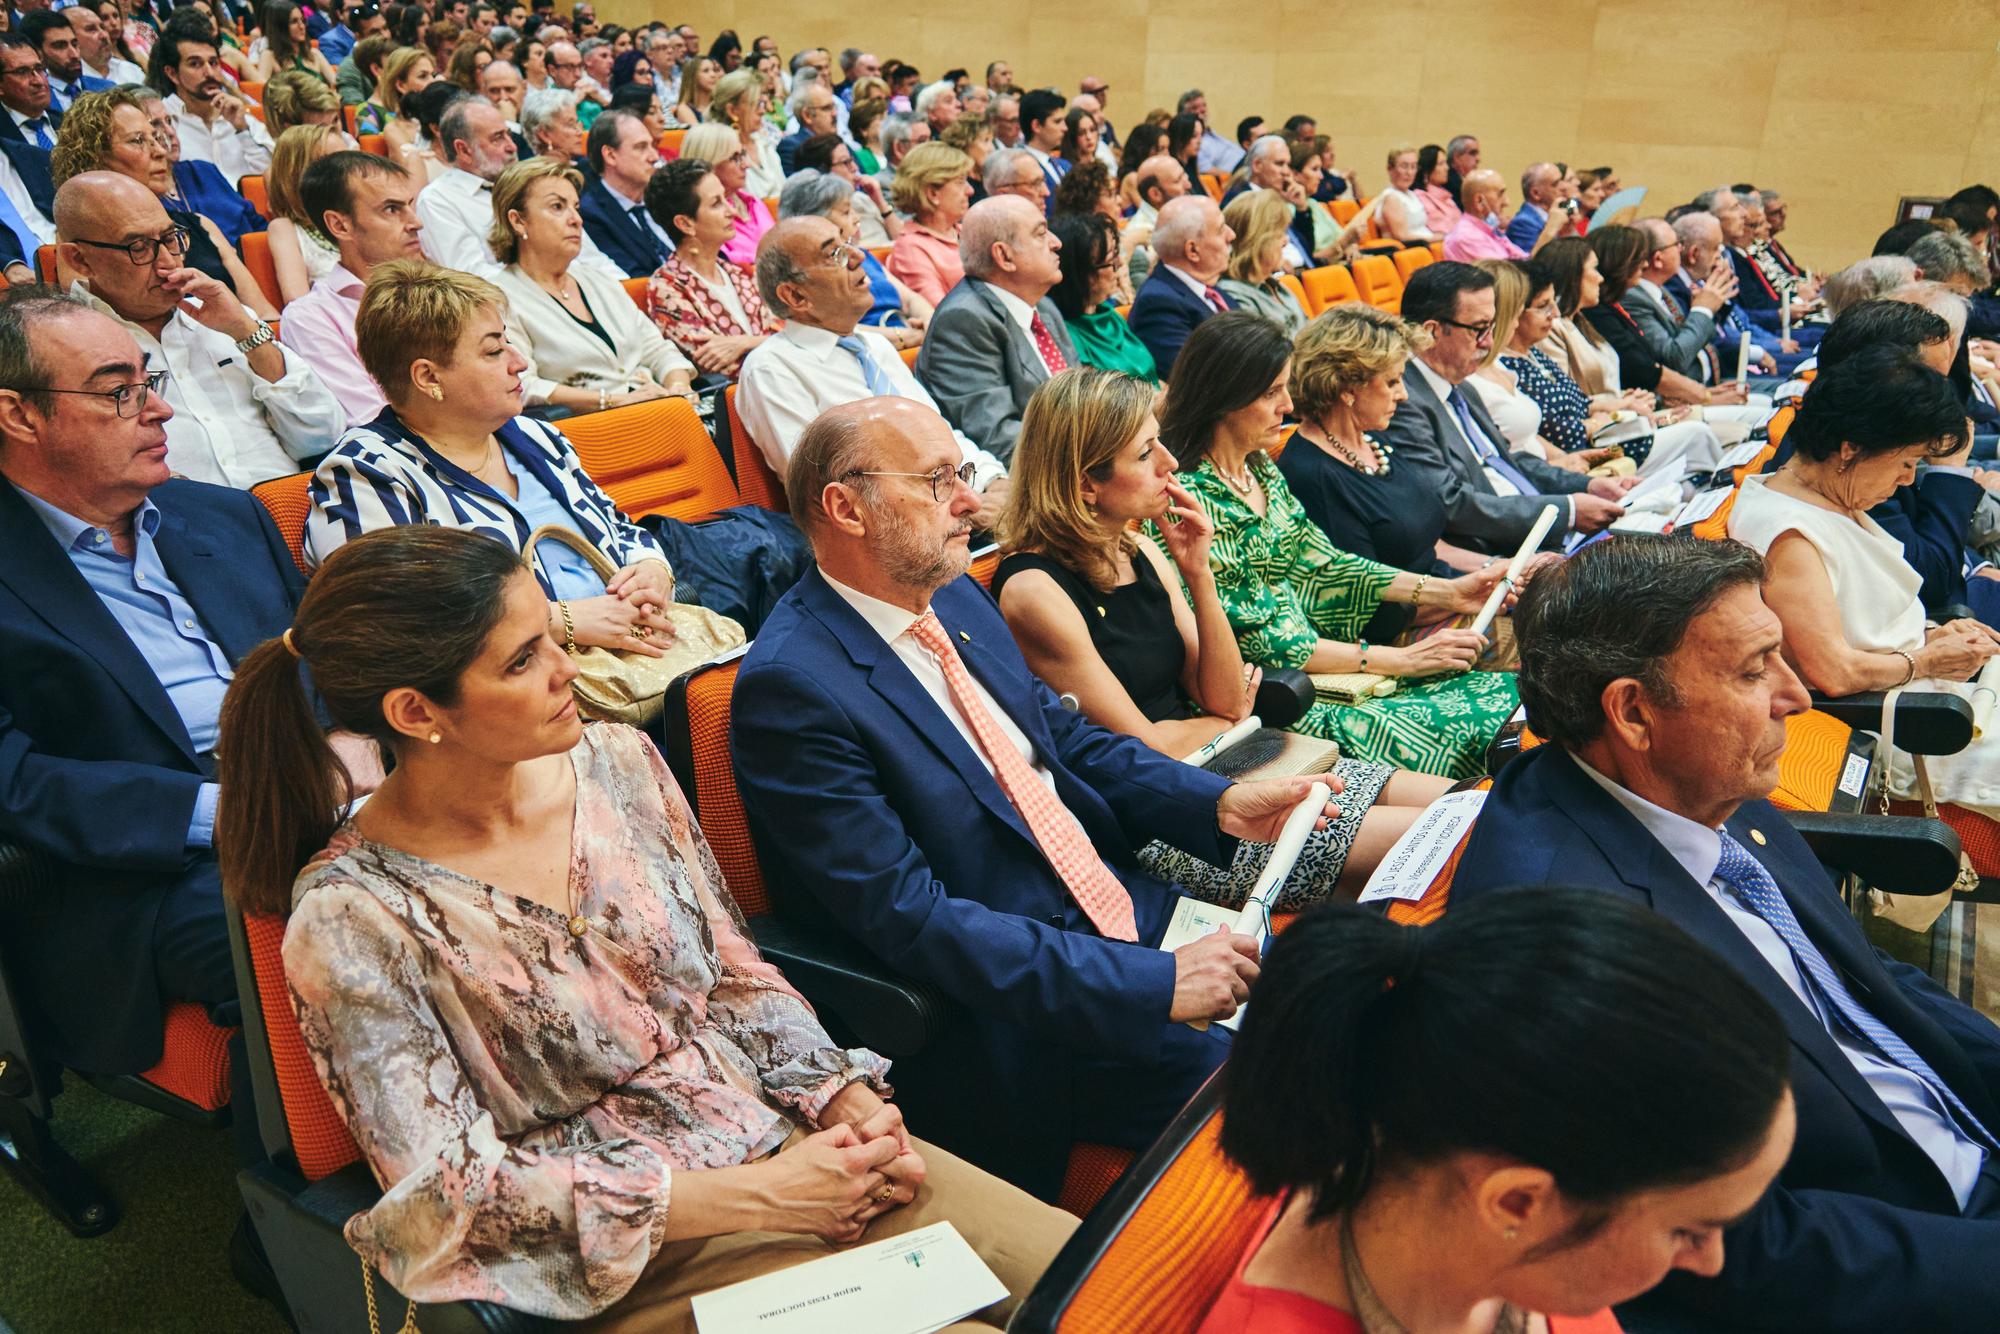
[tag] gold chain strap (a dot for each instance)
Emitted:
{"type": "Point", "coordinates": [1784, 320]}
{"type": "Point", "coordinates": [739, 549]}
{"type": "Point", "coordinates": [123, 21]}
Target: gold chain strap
{"type": "Point", "coordinates": [375, 1321]}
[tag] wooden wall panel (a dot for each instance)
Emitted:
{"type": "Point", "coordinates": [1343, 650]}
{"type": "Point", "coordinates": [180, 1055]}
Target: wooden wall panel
{"type": "Point", "coordinates": [1844, 107]}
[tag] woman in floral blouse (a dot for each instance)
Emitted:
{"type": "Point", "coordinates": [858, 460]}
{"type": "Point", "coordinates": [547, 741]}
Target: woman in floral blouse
{"type": "Point", "coordinates": [704, 304]}
{"type": "Point", "coordinates": [522, 981]}
{"type": "Point", "coordinates": [1294, 599]}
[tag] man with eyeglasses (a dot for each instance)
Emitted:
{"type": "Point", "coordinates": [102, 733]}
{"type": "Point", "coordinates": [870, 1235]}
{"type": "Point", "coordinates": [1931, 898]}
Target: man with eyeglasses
{"type": "Point", "coordinates": [904, 773]}
{"type": "Point", "coordinates": [1678, 335]}
{"type": "Point", "coordinates": [56, 42]}
{"type": "Point", "coordinates": [213, 123]}
{"type": "Point", "coordinates": [27, 112]}
{"type": "Point", "coordinates": [814, 281]}
{"type": "Point", "coordinates": [245, 409]}
{"type": "Point", "coordinates": [1491, 497]}
{"type": "Point", "coordinates": [127, 600]}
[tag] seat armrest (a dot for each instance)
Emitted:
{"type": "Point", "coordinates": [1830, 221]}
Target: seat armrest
{"type": "Point", "coordinates": [887, 1012]}
{"type": "Point", "coordinates": [1284, 696]}
{"type": "Point", "coordinates": [1928, 722]}
{"type": "Point", "coordinates": [1900, 853]}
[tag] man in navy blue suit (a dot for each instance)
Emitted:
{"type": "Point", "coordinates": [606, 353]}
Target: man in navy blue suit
{"type": "Point", "coordinates": [1191, 249]}
{"type": "Point", "coordinates": [27, 114]}
{"type": "Point", "coordinates": [613, 205]}
{"type": "Point", "coordinates": [1656, 674]}
{"type": "Point", "coordinates": [906, 776]}
{"type": "Point", "coordinates": [56, 42]}
{"type": "Point", "coordinates": [126, 599]}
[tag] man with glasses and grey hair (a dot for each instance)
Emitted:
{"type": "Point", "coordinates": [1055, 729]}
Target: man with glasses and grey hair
{"type": "Point", "coordinates": [245, 410]}
{"type": "Point", "coordinates": [814, 281]}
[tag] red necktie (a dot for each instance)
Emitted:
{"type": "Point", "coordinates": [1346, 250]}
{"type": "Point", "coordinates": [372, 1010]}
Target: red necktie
{"type": "Point", "coordinates": [1098, 892]}
{"type": "Point", "coordinates": [1045, 343]}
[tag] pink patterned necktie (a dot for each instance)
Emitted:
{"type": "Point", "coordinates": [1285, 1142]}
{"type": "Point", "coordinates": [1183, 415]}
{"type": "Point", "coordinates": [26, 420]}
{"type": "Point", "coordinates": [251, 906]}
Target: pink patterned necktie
{"type": "Point", "coordinates": [1045, 343]}
{"type": "Point", "coordinates": [1090, 882]}
{"type": "Point", "coordinates": [1214, 298]}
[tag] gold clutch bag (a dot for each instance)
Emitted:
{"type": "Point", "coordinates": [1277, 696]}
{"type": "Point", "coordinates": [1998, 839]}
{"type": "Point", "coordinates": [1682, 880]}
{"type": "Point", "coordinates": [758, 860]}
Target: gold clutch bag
{"type": "Point", "coordinates": [1352, 687]}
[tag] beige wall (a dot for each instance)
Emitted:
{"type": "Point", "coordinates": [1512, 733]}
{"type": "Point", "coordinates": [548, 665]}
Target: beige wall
{"type": "Point", "coordinates": [1844, 105]}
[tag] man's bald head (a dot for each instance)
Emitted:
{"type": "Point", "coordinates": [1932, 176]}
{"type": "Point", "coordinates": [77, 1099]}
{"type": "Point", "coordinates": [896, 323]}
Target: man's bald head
{"type": "Point", "coordinates": [90, 202]}
{"type": "Point", "coordinates": [997, 220]}
{"type": "Point", "coordinates": [868, 435]}
{"type": "Point", "coordinates": [1162, 178]}
{"type": "Point", "coordinates": [1480, 189]}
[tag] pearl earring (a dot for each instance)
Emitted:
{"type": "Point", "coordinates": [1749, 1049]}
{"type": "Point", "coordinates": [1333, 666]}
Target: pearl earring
{"type": "Point", "coordinates": [1348, 399]}
{"type": "Point", "coordinates": [436, 737]}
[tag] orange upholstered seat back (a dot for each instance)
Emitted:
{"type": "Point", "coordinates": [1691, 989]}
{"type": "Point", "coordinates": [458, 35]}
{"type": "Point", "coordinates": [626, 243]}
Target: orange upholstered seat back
{"type": "Point", "coordinates": [319, 1137]}
{"type": "Point", "coordinates": [653, 458]}
{"type": "Point", "coordinates": [718, 806]}
{"type": "Point", "coordinates": [289, 499]}
{"type": "Point", "coordinates": [1328, 285]}
{"type": "Point", "coordinates": [755, 480]}
{"type": "Point", "coordinates": [1380, 285]}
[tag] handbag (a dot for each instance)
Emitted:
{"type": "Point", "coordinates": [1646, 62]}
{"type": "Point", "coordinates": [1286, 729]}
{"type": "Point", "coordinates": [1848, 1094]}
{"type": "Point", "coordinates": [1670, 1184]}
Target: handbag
{"type": "Point", "coordinates": [623, 687]}
{"type": "Point", "coordinates": [1914, 912]}
{"type": "Point", "coordinates": [1270, 753]}
{"type": "Point", "coordinates": [1352, 687]}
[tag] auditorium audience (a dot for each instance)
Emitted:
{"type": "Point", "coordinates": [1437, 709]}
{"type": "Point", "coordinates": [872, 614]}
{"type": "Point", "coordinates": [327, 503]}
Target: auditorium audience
{"type": "Point", "coordinates": [282, 45]}
{"type": "Point", "coordinates": [1436, 191]}
{"type": "Point", "coordinates": [53, 39]}
{"type": "Point", "coordinates": [996, 336]}
{"type": "Point", "coordinates": [933, 189]}
{"type": "Point", "coordinates": [613, 207]}
{"type": "Point", "coordinates": [1260, 225]}
{"type": "Point", "coordinates": [898, 313]}
{"type": "Point", "coordinates": [102, 48]}
{"type": "Point", "coordinates": [213, 123]}
{"type": "Point", "coordinates": [698, 78]}
{"type": "Point", "coordinates": [357, 76]}
{"type": "Point", "coordinates": [1491, 497]}
{"type": "Point", "coordinates": [1951, 259]}
{"type": "Point", "coordinates": [1401, 214]}
{"type": "Point", "coordinates": [1664, 720]}
{"type": "Point", "coordinates": [809, 276]}
{"type": "Point", "coordinates": [1679, 337]}
{"type": "Point", "coordinates": [1087, 296]}
{"type": "Point", "coordinates": [704, 302]}
{"type": "Point", "coordinates": [300, 252]}
{"type": "Point", "coordinates": [1472, 1169]}
{"type": "Point", "coordinates": [405, 71]}
{"type": "Point", "coordinates": [812, 106]}
{"type": "Point", "coordinates": [1293, 598]}
{"type": "Point", "coordinates": [1160, 179]}
{"type": "Point", "coordinates": [27, 112]}
{"type": "Point", "coordinates": [1191, 244]}
{"type": "Point", "coordinates": [1541, 193]}
{"type": "Point", "coordinates": [1210, 151]}
{"type": "Point", "coordinates": [876, 214]}
{"type": "Point", "coordinates": [245, 409]}
{"type": "Point", "coordinates": [720, 147]}
{"type": "Point", "coordinates": [1014, 171]}
{"type": "Point", "coordinates": [908, 828]}
{"type": "Point", "coordinates": [720, 1090]}
{"type": "Point", "coordinates": [291, 98]}
{"type": "Point", "coordinates": [1042, 128]}
{"type": "Point", "coordinates": [738, 104]}
{"type": "Point", "coordinates": [1865, 280]}
{"type": "Point", "coordinates": [1100, 614]}
{"type": "Point", "coordinates": [1703, 264]}
{"type": "Point", "coordinates": [588, 347]}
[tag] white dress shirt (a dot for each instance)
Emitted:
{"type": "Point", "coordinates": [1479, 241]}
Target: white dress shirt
{"type": "Point", "coordinates": [893, 624]}
{"type": "Point", "coordinates": [21, 121]}
{"type": "Point", "coordinates": [801, 371]}
{"type": "Point", "coordinates": [117, 69]}
{"type": "Point", "coordinates": [1698, 849]}
{"type": "Point", "coordinates": [24, 203]}
{"type": "Point", "coordinates": [1501, 485]}
{"type": "Point", "coordinates": [235, 153]}
{"type": "Point", "coordinates": [457, 209]}
{"type": "Point", "coordinates": [231, 426]}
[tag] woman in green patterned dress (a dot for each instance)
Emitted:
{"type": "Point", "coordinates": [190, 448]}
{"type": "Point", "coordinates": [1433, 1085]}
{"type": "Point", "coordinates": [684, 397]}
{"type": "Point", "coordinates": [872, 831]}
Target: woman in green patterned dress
{"type": "Point", "coordinates": [1296, 600]}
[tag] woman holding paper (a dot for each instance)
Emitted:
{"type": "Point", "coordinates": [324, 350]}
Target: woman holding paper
{"type": "Point", "coordinates": [524, 985]}
{"type": "Point", "coordinates": [1292, 597]}
{"type": "Point", "coordinates": [1511, 1120]}
{"type": "Point", "coordinates": [1139, 635]}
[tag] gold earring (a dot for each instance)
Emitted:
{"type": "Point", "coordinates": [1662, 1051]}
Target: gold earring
{"type": "Point", "coordinates": [437, 392]}
{"type": "Point", "coordinates": [436, 737]}
{"type": "Point", "coordinates": [1511, 1233]}
{"type": "Point", "coordinates": [1347, 399]}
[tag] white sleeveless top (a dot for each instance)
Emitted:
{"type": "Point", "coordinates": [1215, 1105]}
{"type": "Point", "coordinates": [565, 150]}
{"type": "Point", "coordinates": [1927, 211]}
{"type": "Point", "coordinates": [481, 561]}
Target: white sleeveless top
{"type": "Point", "coordinates": [1877, 591]}
{"type": "Point", "coordinates": [1518, 416]}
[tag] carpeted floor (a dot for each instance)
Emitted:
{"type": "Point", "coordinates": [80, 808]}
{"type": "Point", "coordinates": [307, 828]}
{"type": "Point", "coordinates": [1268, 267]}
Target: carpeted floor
{"type": "Point", "coordinates": [164, 1269]}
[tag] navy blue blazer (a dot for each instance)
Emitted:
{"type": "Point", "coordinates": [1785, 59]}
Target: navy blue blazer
{"type": "Point", "coordinates": [1861, 1231]}
{"type": "Point", "coordinates": [1755, 296]}
{"type": "Point", "coordinates": [96, 768]}
{"type": "Point", "coordinates": [631, 246]}
{"type": "Point", "coordinates": [33, 165]}
{"type": "Point", "coordinates": [10, 131]}
{"type": "Point", "coordinates": [1164, 313]}
{"type": "Point", "coordinates": [205, 190]}
{"type": "Point", "coordinates": [862, 794]}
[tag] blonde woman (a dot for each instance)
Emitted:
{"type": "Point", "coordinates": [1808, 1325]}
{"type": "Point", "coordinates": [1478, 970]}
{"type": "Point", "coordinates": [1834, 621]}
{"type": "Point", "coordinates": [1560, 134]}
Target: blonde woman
{"type": "Point", "coordinates": [302, 254]}
{"type": "Point", "coordinates": [588, 347]}
{"type": "Point", "coordinates": [1138, 633]}
{"type": "Point", "coordinates": [720, 148]}
{"type": "Point", "coordinates": [1400, 213]}
{"type": "Point", "coordinates": [699, 75]}
{"type": "Point", "coordinates": [934, 186]}
{"type": "Point", "coordinates": [1262, 221]}
{"type": "Point", "coordinates": [407, 72]}
{"type": "Point", "coordinates": [292, 99]}
{"type": "Point", "coordinates": [739, 104]}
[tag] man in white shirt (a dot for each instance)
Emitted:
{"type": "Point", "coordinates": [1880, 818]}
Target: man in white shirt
{"type": "Point", "coordinates": [245, 410]}
{"type": "Point", "coordinates": [1160, 179]}
{"type": "Point", "coordinates": [367, 206]}
{"type": "Point", "coordinates": [213, 124]}
{"type": "Point", "coordinates": [1216, 153]}
{"type": "Point", "coordinates": [664, 53]}
{"type": "Point", "coordinates": [814, 281]}
{"type": "Point", "coordinates": [100, 53]}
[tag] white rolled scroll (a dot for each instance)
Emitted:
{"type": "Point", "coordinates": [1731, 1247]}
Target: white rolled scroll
{"type": "Point", "coordinates": [1529, 546]}
{"type": "Point", "coordinates": [1743, 359]}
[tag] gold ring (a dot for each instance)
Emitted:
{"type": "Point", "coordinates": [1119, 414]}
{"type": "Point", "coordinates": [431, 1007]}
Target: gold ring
{"type": "Point", "coordinates": [642, 632]}
{"type": "Point", "coordinates": [886, 1194]}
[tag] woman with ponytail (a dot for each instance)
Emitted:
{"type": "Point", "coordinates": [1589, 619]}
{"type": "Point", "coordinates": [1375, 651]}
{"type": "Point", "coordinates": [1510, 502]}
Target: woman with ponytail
{"type": "Point", "coordinates": [524, 985]}
{"type": "Point", "coordinates": [1509, 1121]}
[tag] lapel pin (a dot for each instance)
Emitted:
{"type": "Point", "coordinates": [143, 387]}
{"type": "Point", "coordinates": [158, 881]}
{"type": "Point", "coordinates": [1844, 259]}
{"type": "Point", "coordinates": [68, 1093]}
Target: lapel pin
{"type": "Point", "coordinates": [966, 637]}
{"type": "Point", "coordinates": [1100, 611]}
{"type": "Point", "coordinates": [1757, 837]}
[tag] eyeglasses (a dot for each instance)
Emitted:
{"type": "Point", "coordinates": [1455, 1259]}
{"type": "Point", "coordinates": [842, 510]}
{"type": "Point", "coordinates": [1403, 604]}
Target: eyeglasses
{"type": "Point", "coordinates": [940, 479]}
{"type": "Point", "coordinates": [840, 256]}
{"type": "Point", "coordinates": [25, 71]}
{"type": "Point", "coordinates": [129, 400]}
{"type": "Point", "coordinates": [1478, 331]}
{"type": "Point", "coordinates": [146, 249]}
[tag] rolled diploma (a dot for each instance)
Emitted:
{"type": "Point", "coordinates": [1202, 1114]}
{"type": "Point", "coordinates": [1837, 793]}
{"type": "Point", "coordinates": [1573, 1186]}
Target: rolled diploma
{"type": "Point", "coordinates": [1529, 545]}
{"type": "Point", "coordinates": [1743, 359]}
{"type": "Point", "coordinates": [1284, 855]}
{"type": "Point", "coordinates": [1217, 745]}
{"type": "Point", "coordinates": [1985, 694]}
{"type": "Point", "coordinates": [1785, 319]}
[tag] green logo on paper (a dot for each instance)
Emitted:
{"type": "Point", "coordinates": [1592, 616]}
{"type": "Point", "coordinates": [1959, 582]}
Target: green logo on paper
{"type": "Point", "coordinates": [915, 1259]}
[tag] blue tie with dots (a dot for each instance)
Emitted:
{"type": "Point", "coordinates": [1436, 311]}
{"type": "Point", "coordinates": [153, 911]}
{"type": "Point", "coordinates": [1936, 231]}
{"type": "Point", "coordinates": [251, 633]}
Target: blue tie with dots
{"type": "Point", "coordinates": [1751, 883]}
{"type": "Point", "coordinates": [878, 383]}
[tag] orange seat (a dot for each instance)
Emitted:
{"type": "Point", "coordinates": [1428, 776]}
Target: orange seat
{"type": "Point", "coordinates": [755, 480]}
{"type": "Point", "coordinates": [1215, 183]}
{"type": "Point", "coordinates": [373, 143]}
{"type": "Point", "coordinates": [1376, 279]}
{"type": "Point", "coordinates": [1408, 262]}
{"type": "Point", "coordinates": [1327, 286]}
{"type": "Point", "coordinates": [350, 116]}
{"type": "Point", "coordinates": [320, 1140]}
{"type": "Point", "coordinates": [256, 251]}
{"type": "Point", "coordinates": [670, 144]}
{"type": "Point", "coordinates": [45, 263]}
{"type": "Point", "coordinates": [984, 563]}
{"type": "Point", "coordinates": [1291, 284]}
{"type": "Point", "coordinates": [881, 253]}
{"type": "Point", "coordinates": [1343, 210]}
{"type": "Point", "coordinates": [1277, 451]}
{"type": "Point", "coordinates": [289, 499]}
{"type": "Point", "coordinates": [909, 355]}
{"type": "Point", "coordinates": [638, 290]}
{"type": "Point", "coordinates": [653, 458]}
{"type": "Point", "coordinates": [1437, 249]}
{"type": "Point", "coordinates": [252, 91]}
{"type": "Point", "coordinates": [254, 191]}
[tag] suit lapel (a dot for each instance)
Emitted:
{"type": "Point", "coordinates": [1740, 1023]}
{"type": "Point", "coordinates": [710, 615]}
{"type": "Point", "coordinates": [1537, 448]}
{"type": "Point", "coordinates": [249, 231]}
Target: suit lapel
{"type": "Point", "coordinates": [1027, 361]}
{"type": "Point", "coordinates": [41, 575]}
{"type": "Point", "coordinates": [220, 601]}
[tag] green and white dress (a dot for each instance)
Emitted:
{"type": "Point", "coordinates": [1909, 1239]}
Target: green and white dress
{"type": "Point", "coordinates": [1285, 587]}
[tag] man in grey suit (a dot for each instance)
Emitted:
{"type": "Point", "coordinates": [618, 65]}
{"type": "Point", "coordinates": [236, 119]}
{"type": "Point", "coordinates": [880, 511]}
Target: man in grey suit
{"type": "Point", "coordinates": [996, 336]}
{"type": "Point", "coordinates": [1491, 497]}
{"type": "Point", "coordinates": [1678, 335]}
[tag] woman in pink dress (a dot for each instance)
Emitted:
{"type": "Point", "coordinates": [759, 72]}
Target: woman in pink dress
{"type": "Point", "coordinates": [525, 986]}
{"type": "Point", "coordinates": [1511, 1120]}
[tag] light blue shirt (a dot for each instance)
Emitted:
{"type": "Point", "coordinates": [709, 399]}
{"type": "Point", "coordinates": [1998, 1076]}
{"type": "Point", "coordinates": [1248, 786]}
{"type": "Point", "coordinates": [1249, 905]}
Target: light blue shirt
{"type": "Point", "coordinates": [1698, 850]}
{"type": "Point", "coordinates": [154, 614]}
{"type": "Point", "coordinates": [567, 570]}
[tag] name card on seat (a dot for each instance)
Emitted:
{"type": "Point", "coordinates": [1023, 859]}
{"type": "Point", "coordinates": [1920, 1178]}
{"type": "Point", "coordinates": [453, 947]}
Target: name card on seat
{"type": "Point", "coordinates": [1408, 869]}
{"type": "Point", "coordinates": [912, 1284]}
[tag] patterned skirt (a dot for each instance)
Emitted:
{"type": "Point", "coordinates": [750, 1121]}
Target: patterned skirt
{"type": "Point", "coordinates": [1440, 725]}
{"type": "Point", "coordinates": [1320, 862]}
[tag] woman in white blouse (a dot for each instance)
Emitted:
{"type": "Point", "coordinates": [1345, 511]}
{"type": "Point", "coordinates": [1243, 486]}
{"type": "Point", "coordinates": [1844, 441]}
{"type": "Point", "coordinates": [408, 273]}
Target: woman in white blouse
{"type": "Point", "coordinates": [300, 251]}
{"type": "Point", "coordinates": [588, 346]}
{"type": "Point", "coordinates": [1401, 213]}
